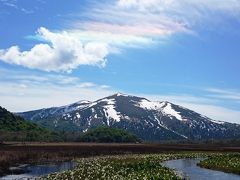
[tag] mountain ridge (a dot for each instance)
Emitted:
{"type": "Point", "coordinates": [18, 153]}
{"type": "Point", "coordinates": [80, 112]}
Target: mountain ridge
{"type": "Point", "coordinates": [150, 120]}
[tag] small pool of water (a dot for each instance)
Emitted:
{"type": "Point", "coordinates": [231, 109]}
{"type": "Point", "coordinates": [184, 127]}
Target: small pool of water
{"type": "Point", "coordinates": [188, 169]}
{"type": "Point", "coordinates": [34, 171]}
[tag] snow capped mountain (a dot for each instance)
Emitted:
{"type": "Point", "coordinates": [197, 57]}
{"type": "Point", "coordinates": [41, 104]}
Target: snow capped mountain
{"type": "Point", "coordinates": [149, 120]}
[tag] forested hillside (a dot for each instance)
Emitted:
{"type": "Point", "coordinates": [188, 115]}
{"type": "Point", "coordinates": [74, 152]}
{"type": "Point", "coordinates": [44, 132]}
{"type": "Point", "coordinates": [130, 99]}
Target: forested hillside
{"type": "Point", "coordinates": [15, 128]}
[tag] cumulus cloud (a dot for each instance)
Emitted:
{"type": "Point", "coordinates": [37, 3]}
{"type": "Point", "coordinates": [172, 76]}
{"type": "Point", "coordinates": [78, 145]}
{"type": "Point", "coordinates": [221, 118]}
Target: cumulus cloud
{"type": "Point", "coordinates": [61, 52]}
{"type": "Point", "coordinates": [108, 27]}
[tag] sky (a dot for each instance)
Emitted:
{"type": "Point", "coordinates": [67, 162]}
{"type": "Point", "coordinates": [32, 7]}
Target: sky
{"type": "Point", "coordinates": [187, 52]}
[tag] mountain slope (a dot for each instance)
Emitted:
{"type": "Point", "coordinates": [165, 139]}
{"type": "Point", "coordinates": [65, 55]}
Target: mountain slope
{"type": "Point", "coordinates": [13, 127]}
{"type": "Point", "coordinates": [149, 120]}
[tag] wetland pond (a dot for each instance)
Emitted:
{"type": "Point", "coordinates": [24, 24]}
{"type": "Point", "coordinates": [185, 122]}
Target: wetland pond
{"type": "Point", "coordinates": [188, 169]}
{"type": "Point", "coordinates": [35, 171]}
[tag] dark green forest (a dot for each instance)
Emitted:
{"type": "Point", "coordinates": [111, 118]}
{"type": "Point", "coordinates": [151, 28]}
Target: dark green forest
{"type": "Point", "coordinates": [106, 134]}
{"type": "Point", "coordinates": [15, 128]}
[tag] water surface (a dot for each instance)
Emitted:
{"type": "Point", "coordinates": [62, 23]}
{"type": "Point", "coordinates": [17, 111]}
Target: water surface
{"type": "Point", "coordinates": [188, 169]}
{"type": "Point", "coordinates": [35, 171]}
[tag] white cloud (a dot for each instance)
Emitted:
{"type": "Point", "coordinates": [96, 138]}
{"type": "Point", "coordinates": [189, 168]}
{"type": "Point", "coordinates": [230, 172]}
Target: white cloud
{"type": "Point", "coordinates": [13, 4]}
{"type": "Point", "coordinates": [20, 77]}
{"type": "Point", "coordinates": [111, 26]}
{"type": "Point", "coordinates": [16, 98]}
{"type": "Point", "coordinates": [115, 41]}
{"type": "Point", "coordinates": [144, 4]}
{"type": "Point", "coordinates": [188, 13]}
{"type": "Point", "coordinates": [23, 91]}
{"type": "Point", "coordinates": [105, 87]}
{"type": "Point", "coordinates": [62, 53]}
{"type": "Point", "coordinates": [141, 23]}
{"type": "Point", "coordinates": [226, 94]}
{"type": "Point", "coordinates": [111, 23]}
{"type": "Point", "coordinates": [230, 6]}
{"type": "Point", "coordinates": [87, 85]}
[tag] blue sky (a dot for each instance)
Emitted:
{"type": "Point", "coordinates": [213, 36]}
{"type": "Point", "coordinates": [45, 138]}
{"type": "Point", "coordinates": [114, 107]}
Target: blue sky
{"type": "Point", "coordinates": [57, 52]}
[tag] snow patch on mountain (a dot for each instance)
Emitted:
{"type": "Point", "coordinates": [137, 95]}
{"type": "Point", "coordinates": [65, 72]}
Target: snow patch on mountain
{"type": "Point", "coordinates": [92, 104]}
{"type": "Point", "coordinates": [78, 115]}
{"type": "Point", "coordinates": [83, 102]}
{"type": "Point", "coordinates": [168, 110]}
{"type": "Point", "coordinates": [149, 105]}
{"type": "Point", "coordinates": [164, 107]}
{"type": "Point", "coordinates": [110, 111]}
{"type": "Point", "coordinates": [165, 127]}
{"type": "Point", "coordinates": [218, 122]}
{"type": "Point", "coordinates": [121, 94]}
{"type": "Point", "coordinates": [185, 137]}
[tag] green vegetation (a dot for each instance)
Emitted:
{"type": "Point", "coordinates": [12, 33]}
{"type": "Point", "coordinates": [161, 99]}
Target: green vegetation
{"type": "Point", "coordinates": [124, 167]}
{"type": "Point", "coordinates": [15, 128]}
{"type": "Point", "coordinates": [229, 162]}
{"type": "Point", "coordinates": [106, 134]}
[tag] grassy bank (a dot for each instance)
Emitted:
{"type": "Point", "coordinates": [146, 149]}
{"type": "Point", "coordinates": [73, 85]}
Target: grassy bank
{"type": "Point", "coordinates": [125, 167]}
{"type": "Point", "coordinates": [228, 162]}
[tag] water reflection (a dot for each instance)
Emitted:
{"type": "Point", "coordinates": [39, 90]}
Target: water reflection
{"type": "Point", "coordinates": [188, 169]}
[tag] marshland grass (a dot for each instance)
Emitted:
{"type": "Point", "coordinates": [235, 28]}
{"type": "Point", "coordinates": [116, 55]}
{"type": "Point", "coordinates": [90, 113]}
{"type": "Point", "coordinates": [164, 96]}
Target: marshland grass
{"type": "Point", "coordinates": [125, 167]}
{"type": "Point", "coordinates": [227, 162]}
{"type": "Point", "coordinates": [12, 154]}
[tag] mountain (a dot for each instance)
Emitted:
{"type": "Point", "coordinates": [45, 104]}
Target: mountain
{"type": "Point", "coordinates": [149, 120]}
{"type": "Point", "coordinates": [15, 128]}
